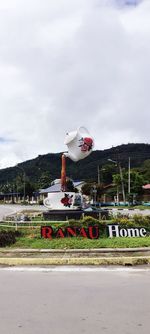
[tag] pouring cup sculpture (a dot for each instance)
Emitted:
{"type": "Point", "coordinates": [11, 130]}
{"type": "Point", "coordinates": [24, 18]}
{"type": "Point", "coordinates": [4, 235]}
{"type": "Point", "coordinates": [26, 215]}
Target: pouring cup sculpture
{"type": "Point", "coordinates": [80, 145]}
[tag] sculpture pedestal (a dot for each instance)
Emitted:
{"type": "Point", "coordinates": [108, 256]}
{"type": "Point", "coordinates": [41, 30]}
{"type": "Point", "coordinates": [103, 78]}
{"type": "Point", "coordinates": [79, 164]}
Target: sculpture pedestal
{"type": "Point", "coordinates": [62, 215]}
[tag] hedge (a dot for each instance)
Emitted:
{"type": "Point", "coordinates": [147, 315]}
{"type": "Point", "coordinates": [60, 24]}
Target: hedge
{"type": "Point", "coordinates": [8, 238]}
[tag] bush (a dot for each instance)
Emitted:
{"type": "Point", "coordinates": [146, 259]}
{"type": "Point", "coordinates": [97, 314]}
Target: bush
{"type": "Point", "coordinates": [122, 220]}
{"type": "Point", "coordinates": [86, 221]}
{"type": "Point", "coordinates": [136, 221]}
{"type": "Point", "coordinates": [73, 222]}
{"type": "Point", "coordinates": [8, 238]}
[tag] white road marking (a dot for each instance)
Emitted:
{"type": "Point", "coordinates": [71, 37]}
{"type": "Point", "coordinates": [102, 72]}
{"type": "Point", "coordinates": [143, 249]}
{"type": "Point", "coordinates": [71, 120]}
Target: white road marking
{"type": "Point", "coordinates": [75, 269]}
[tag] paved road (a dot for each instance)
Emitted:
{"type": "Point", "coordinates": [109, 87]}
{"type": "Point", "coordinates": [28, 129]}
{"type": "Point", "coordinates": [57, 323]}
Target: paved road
{"type": "Point", "coordinates": [8, 209]}
{"type": "Point", "coordinates": [111, 302]}
{"type": "Point", "coordinates": [130, 212]}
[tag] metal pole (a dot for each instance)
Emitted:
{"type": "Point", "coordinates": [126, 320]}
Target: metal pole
{"type": "Point", "coordinates": [24, 187]}
{"type": "Point", "coordinates": [24, 182]}
{"type": "Point", "coordinates": [94, 195]}
{"type": "Point", "coordinates": [122, 183]}
{"type": "Point", "coordinates": [98, 175]}
{"type": "Point", "coordinates": [117, 195]}
{"type": "Point", "coordinates": [129, 176]}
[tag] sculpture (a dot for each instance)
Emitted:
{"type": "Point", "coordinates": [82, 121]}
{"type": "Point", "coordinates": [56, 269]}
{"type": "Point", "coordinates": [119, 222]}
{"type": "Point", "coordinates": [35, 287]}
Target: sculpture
{"type": "Point", "coordinates": [80, 145]}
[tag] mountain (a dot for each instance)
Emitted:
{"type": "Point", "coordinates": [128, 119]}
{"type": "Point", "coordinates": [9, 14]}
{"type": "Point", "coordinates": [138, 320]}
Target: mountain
{"type": "Point", "coordinates": [45, 168]}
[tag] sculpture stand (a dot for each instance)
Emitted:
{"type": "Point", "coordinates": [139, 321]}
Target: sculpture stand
{"type": "Point", "coordinates": [63, 200]}
{"type": "Point", "coordinates": [63, 173]}
{"type": "Point", "coordinates": [80, 145]}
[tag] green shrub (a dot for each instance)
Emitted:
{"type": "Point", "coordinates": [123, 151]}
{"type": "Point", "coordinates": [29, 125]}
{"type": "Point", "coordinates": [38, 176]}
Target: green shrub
{"type": "Point", "coordinates": [8, 237]}
{"type": "Point", "coordinates": [73, 222]}
{"type": "Point", "coordinates": [89, 221]}
{"type": "Point", "coordinates": [121, 220]}
{"type": "Point", "coordinates": [136, 221]}
{"type": "Point", "coordinates": [142, 221]}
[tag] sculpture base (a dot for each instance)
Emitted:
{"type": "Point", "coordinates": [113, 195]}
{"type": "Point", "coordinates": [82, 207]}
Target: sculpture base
{"type": "Point", "coordinates": [62, 215]}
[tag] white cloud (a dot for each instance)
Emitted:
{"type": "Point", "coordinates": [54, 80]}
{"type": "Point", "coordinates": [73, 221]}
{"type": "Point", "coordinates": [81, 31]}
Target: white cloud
{"type": "Point", "coordinates": [69, 63]}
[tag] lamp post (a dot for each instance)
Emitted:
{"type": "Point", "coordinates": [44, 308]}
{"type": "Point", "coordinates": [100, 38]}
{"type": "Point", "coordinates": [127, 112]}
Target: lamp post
{"type": "Point", "coordinates": [99, 174]}
{"type": "Point", "coordinates": [121, 177]}
{"type": "Point", "coordinates": [129, 176]}
{"type": "Point", "coordinates": [94, 190]}
{"type": "Point", "coordinates": [24, 181]}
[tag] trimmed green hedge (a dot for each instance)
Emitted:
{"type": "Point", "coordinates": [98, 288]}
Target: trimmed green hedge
{"type": "Point", "coordinates": [8, 238]}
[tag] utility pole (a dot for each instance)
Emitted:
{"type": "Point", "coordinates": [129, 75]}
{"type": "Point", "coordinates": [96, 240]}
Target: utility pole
{"type": "Point", "coordinates": [94, 195]}
{"type": "Point", "coordinates": [24, 182]}
{"type": "Point", "coordinates": [122, 183]}
{"type": "Point", "coordinates": [98, 175]}
{"type": "Point", "coordinates": [129, 176]}
{"type": "Point", "coordinates": [121, 177]}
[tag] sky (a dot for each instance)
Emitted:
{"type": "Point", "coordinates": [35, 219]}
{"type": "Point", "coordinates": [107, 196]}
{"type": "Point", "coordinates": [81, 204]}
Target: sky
{"type": "Point", "coordinates": [71, 63]}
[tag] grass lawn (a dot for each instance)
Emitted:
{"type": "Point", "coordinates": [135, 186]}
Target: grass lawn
{"type": "Point", "coordinates": [30, 238]}
{"type": "Point", "coordinates": [80, 243]}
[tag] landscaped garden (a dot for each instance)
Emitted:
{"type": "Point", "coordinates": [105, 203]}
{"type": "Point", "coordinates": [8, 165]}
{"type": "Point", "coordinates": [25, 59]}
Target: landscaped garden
{"type": "Point", "coordinates": [28, 234]}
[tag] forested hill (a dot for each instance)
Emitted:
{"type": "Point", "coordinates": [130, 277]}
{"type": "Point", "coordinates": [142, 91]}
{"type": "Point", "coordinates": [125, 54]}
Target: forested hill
{"type": "Point", "coordinates": [47, 167]}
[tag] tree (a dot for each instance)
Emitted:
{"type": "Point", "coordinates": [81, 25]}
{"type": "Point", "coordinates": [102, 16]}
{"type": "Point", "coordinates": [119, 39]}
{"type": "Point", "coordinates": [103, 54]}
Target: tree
{"type": "Point", "coordinates": [29, 188]}
{"type": "Point", "coordinates": [86, 188]}
{"type": "Point", "coordinates": [136, 182]}
{"type": "Point", "coordinates": [69, 185]}
{"type": "Point", "coordinates": [44, 180]}
{"type": "Point", "coordinates": [145, 171]}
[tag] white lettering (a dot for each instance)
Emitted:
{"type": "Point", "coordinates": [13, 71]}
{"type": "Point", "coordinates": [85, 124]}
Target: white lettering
{"type": "Point", "coordinates": [133, 232]}
{"type": "Point", "coordinates": [142, 232]}
{"type": "Point", "coordinates": [123, 233]}
{"type": "Point", "coordinates": [113, 231]}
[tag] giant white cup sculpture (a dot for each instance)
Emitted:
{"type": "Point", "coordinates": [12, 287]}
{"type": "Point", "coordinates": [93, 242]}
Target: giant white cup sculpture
{"type": "Point", "coordinates": [80, 145]}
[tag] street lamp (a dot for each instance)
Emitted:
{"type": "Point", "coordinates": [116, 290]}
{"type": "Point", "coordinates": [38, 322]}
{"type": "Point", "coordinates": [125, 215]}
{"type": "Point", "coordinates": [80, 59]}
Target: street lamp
{"type": "Point", "coordinates": [24, 181]}
{"type": "Point", "coordinates": [129, 176]}
{"type": "Point", "coordinates": [94, 191]}
{"type": "Point", "coordinates": [99, 174]}
{"type": "Point", "coordinates": [121, 177]}
{"type": "Point", "coordinates": [115, 162]}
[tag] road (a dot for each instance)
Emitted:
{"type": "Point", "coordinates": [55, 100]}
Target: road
{"type": "Point", "coordinates": [70, 302]}
{"type": "Point", "coordinates": [8, 209]}
{"type": "Point", "coordinates": [130, 212]}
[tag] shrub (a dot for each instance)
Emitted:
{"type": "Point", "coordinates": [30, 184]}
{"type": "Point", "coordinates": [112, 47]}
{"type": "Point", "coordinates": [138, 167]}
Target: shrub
{"type": "Point", "coordinates": [89, 221]}
{"type": "Point", "coordinates": [136, 221]}
{"type": "Point", "coordinates": [8, 238]}
{"type": "Point", "coordinates": [142, 221]}
{"type": "Point", "coordinates": [120, 220]}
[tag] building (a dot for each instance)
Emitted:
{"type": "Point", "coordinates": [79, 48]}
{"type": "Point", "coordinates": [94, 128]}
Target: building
{"type": "Point", "coordinates": [146, 193]}
{"type": "Point", "coordinates": [56, 187]}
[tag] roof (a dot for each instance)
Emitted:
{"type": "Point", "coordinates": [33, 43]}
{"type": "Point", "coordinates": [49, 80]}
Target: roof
{"type": "Point", "coordinates": [10, 194]}
{"type": "Point", "coordinates": [57, 187]}
{"type": "Point", "coordinates": [109, 185]}
{"type": "Point", "coordinates": [146, 186]}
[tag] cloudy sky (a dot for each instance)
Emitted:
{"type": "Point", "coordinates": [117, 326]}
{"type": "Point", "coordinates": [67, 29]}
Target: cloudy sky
{"type": "Point", "coordinates": [66, 63]}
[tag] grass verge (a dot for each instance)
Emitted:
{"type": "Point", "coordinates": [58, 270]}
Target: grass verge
{"type": "Point", "coordinates": [80, 243]}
